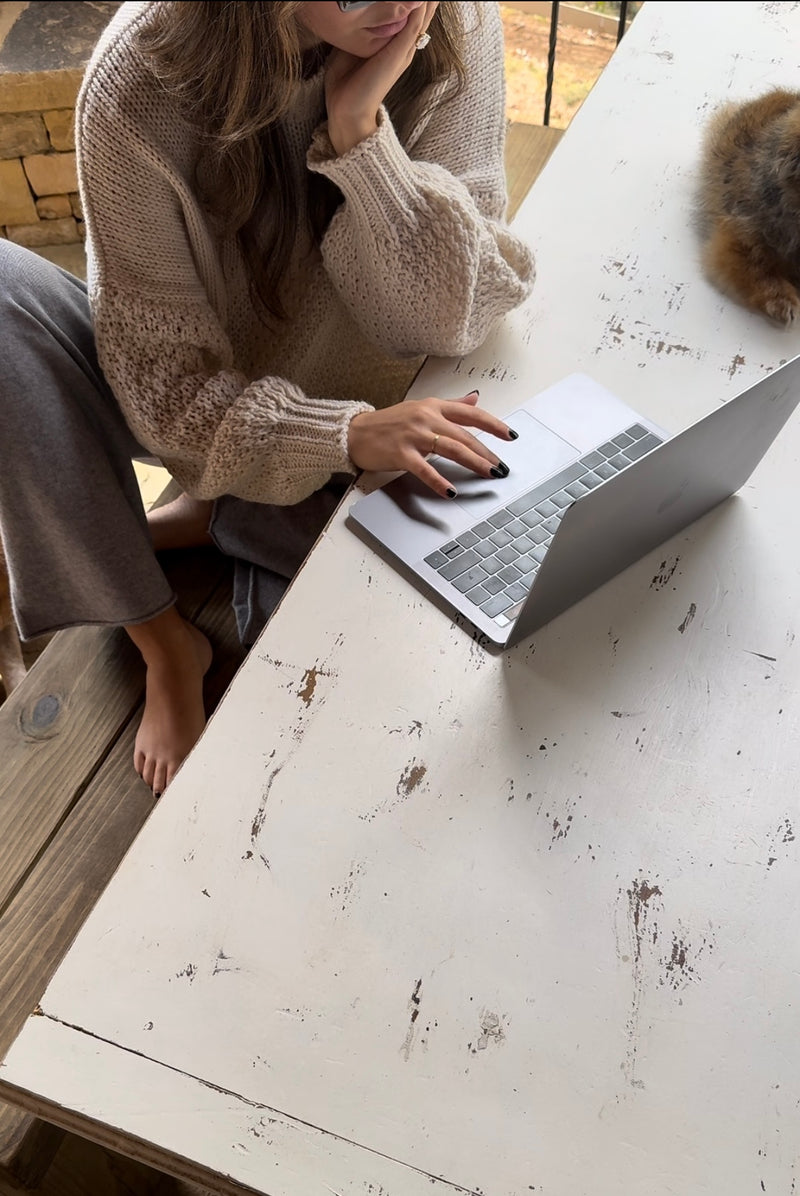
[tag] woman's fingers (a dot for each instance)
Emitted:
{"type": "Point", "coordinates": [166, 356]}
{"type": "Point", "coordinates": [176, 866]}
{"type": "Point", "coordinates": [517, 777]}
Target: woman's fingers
{"type": "Point", "coordinates": [403, 437]}
{"type": "Point", "coordinates": [466, 413]}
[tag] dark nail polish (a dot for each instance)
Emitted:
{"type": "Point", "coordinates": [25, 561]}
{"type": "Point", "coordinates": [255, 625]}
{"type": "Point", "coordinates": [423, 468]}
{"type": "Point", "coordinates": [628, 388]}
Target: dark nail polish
{"type": "Point", "coordinates": [451, 493]}
{"type": "Point", "coordinates": [500, 470]}
{"type": "Point", "coordinates": [473, 392]}
{"type": "Point", "coordinates": [512, 435]}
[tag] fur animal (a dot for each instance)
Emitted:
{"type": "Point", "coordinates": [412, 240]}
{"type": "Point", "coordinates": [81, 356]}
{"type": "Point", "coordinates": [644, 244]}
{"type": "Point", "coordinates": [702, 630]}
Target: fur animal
{"type": "Point", "coordinates": [749, 203]}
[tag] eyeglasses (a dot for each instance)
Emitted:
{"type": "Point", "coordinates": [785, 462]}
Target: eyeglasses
{"type": "Point", "coordinates": [350, 5]}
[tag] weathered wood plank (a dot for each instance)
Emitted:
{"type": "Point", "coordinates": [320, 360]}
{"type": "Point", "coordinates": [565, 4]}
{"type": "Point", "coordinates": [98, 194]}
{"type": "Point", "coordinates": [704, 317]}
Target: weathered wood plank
{"type": "Point", "coordinates": [82, 1168]}
{"type": "Point", "coordinates": [41, 917]}
{"type": "Point", "coordinates": [74, 703]}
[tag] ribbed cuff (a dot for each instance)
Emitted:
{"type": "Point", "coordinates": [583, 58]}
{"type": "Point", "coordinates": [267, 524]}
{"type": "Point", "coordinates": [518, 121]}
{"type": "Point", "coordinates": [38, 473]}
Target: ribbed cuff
{"type": "Point", "coordinates": [376, 177]}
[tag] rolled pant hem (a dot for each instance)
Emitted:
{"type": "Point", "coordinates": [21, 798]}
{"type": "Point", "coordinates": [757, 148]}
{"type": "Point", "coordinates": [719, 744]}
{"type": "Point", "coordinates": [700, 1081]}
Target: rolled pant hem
{"type": "Point", "coordinates": [26, 634]}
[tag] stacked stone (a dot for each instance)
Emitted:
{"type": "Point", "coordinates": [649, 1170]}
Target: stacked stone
{"type": "Point", "coordinates": [39, 204]}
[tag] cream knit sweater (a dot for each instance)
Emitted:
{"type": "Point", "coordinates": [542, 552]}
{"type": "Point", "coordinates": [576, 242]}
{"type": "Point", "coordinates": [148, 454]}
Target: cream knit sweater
{"type": "Point", "coordinates": [415, 261]}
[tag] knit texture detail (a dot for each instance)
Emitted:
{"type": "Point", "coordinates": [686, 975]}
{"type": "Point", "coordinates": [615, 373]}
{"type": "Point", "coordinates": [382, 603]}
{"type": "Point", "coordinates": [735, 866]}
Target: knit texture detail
{"type": "Point", "coordinates": [416, 260]}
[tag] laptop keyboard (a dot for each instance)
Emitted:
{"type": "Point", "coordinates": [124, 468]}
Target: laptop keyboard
{"type": "Point", "coordinates": [495, 562]}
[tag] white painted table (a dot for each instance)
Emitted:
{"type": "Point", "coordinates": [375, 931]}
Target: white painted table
{"type": "Point", "coordinates": [418, 919]}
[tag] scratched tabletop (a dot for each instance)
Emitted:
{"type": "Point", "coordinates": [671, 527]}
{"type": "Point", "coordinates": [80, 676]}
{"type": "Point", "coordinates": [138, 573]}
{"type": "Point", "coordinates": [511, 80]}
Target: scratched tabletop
{"type": "Point", "coordinates": [420, 918]}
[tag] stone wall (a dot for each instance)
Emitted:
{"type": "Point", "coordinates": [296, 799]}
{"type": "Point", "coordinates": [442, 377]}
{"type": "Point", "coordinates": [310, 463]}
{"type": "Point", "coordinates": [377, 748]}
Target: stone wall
{"type": "Point", "coordinates": [43, 49]}
{"type": "Point", "coordinates": [39, 203]}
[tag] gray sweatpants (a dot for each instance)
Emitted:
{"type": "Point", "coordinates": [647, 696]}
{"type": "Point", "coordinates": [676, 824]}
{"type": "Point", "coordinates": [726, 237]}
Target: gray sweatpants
{"type": "Point", "coordinates": [72, 521]}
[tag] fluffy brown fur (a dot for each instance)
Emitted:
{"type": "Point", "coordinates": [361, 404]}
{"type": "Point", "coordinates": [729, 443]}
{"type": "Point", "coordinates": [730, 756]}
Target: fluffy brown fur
{"type": "Point", "coordinates": [749, 199]}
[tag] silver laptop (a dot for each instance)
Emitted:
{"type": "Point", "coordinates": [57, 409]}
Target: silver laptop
{"type": "Point", "coordinates": [593, 486]}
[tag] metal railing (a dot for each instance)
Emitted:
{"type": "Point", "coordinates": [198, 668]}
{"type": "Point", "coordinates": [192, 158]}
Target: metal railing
{"type": "Point", "coordinates": [551, 51]}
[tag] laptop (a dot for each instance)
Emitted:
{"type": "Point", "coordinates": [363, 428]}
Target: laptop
{"type": "Point", "coordinates": [593, 486]}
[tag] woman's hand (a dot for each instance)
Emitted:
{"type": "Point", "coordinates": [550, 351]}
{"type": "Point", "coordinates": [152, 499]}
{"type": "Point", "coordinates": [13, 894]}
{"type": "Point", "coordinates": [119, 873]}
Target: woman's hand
{"type": "Point", "coordinates": [402, 437]}
{"type": "Point", "coordinates": [356, 87]}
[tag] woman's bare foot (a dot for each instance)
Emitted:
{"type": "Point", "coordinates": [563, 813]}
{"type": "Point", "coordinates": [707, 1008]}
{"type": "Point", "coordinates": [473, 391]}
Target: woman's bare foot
{"type": "Point", "coordinates": [177, 657]}
{"type": "Point", "coordinates": [182, 523]}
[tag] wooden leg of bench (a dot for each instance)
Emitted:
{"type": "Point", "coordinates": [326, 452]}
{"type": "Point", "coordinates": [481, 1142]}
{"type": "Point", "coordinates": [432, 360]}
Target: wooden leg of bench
{"type": "Point", "coordinates": [70, 806]}
{"type": "Point", "coordinates": [28, 1147]}
{"type": "Point", "coordinates": [82, 1168]}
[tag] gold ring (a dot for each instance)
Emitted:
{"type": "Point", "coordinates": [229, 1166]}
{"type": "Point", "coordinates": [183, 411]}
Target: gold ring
{"type": "Point", "coordinates": [422, 41]}
{"type": "Point", "coordinates": [433, 446]}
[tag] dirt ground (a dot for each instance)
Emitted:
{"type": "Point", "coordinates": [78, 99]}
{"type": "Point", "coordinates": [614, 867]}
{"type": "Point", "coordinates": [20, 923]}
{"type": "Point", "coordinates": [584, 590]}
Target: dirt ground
{"type": "Point", "coordinates": [581, 55]}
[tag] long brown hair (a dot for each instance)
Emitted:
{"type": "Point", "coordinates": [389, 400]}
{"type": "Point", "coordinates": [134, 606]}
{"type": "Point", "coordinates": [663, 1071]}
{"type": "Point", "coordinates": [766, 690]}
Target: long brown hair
{"type": "Point", "coordinates": [234, 70]}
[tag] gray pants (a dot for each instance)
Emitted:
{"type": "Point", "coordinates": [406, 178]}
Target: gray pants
{"type": "Point", "coordinates": [72, 521]}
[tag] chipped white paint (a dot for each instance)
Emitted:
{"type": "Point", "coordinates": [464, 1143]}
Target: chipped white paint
{"type": "Point", "coordinates": [415, 917]}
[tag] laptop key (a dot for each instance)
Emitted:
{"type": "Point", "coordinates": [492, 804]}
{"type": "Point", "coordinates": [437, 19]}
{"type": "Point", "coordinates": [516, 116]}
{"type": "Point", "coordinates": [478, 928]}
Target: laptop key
{"type": "Point", "coordinates": [500, 518]}
{"type": "Point", "coordinates": [623, 440]}
{"type": "Point", "coordinates": [517, 591]}
{"type": "Point", "coordinates": [510, 573]}
{"type": "Point", "coordinates": [483, 530]}
{"type": "Point", "coordinates": [591, 460]}
{"type": "Point", "coordinates": [546, 508]}
{"type": "Point", "coordinates": [485, 548]}
{"type": "Point", "coordinates": [478, 594]}
{"type": "Point", "coordinates": [496, 605]}
{"type": "Point", "coordinates": [501, 537]}
{"type": "Point", "coordinates": [516, 527]}
{"type": "Point", "coordinates": [467, 539]}
{"type": "Point", "coordinates": [454, 568]}
{"type": "Point", "coordinates": [451, 548]}
{"type": "Point", "coordinates": [507, 555]}
{"type": "Point", "coordinates": [637, 450]}
{"type": "Point", "coordinates": [576, 489]}
{"type": "Point", "coordinates": [544, 489]}
{"type": "Point", "coordinates": [492, 565]}
{"type": "Point", "coordinates": [493, 584]}
{"type": "Point", "coordinates": [590, 480]}
{"type": "Point", "coordinates": [466, 581]}
{"type": "Point", "coordinates": [436, 559]}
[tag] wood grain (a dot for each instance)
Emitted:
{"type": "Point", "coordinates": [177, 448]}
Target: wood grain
{"type": "Point", "coordinates": [92, 805]}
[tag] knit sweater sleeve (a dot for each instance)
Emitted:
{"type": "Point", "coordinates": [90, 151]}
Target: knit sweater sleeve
{"type": "Point", "coordinates": [156, 292]}
{"type": "Point", "coordinates": [418, 251]}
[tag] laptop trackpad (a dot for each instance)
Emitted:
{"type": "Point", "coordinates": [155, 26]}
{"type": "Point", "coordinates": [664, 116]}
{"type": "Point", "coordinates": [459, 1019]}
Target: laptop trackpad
{"type": "Point", "coordinates": [536, 455]}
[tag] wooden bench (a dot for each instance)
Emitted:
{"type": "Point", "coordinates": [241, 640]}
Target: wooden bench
{"type": "Point", "coordinates": [71, 804]}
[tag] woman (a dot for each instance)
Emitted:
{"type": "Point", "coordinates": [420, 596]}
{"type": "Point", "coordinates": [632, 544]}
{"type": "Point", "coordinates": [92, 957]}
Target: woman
{"type": "Point", "coordinates": [287, 206]}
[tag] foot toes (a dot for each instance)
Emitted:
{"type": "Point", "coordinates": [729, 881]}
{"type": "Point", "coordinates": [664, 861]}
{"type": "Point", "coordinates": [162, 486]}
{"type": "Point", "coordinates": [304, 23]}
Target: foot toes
{"type": "Point", "coordinates": [160, 779]}
{"type": "Point", "coordinates": [139, 761]}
